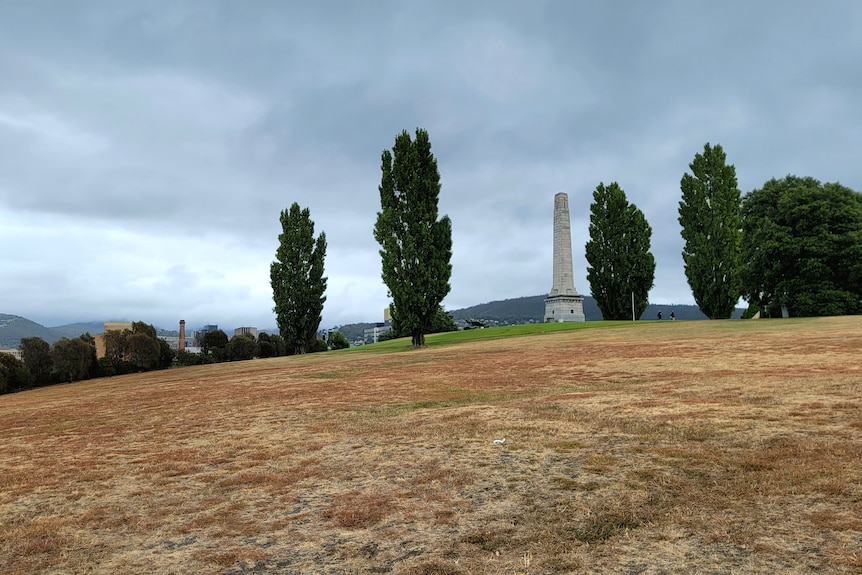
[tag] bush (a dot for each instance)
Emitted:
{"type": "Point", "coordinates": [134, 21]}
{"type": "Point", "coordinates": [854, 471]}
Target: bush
{"type": "Point", "coordinates": [106, 367]}
{"type": "Point", "coordinates": [317, 345]}
{"type": "Point", "coordinates": [14, 375]}
{"type": "Point", "coordinates": [338, 341]}
{"type": "Point", "coordinates": [185, 358]}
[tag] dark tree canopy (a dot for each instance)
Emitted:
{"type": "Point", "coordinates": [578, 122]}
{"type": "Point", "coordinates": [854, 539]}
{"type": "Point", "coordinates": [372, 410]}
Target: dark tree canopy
{"type": "Point", "coordinates": [338, 341]}
{"type": "Point", "coordinates": [297, 279]}
{"type": "Point", "coordinates": [216, 339]}
{"type": "Point", "coordinates": [618, 254]}
{"type": "Point", "coordinates": [416, 247]}
{"type": "Point", "coordinates": [135, 349]}
{"type": "Point", "coordinates": [710, 216]}
{"type": "Point", "coordinates": [242, 347]}
{"type": "Point", "coordinates": [72, 358]}
{"type": "Point", "coordinates": [143, 351]}
{"type": "Point", "coordinates": [36, 353]}
{"type": "Point", "coordinates": [14, 375]}
{"type": "Point", "coordinates": [802, 248]}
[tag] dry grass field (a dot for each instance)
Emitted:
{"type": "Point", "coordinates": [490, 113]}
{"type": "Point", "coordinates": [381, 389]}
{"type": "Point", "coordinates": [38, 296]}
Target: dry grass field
{"type": "Point", "coordinates": [672, 447]}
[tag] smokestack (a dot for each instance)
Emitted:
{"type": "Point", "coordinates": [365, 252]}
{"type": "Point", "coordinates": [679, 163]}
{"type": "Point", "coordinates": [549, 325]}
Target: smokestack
{"type": "Point", "coordinates": [181, 344]}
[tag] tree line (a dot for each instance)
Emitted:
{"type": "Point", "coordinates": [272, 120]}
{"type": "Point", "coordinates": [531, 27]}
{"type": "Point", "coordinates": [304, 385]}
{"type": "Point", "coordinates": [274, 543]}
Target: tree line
{"type": "Point", "coordinates": [792, 247]}
{"type": "Point", "coordinates": [132, 351]}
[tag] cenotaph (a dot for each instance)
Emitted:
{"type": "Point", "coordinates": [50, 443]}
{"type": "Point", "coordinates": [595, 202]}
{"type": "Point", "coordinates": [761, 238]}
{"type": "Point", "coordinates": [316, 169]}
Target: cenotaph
{"type": "Point", "coordinates": [563, 302]}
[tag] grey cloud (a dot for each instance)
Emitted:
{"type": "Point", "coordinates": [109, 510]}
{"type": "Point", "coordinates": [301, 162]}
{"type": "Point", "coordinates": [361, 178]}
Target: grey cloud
{"type": "Point", "coordinates": [193, 124]}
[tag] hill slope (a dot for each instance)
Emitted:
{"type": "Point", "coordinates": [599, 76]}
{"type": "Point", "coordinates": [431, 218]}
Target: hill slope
{"type": "Point", "coordinates": [14, 327]}
{"type": "Point", "coordinates": [622, 448]}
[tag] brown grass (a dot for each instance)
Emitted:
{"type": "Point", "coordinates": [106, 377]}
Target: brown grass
{"type": "Point", "coordinates": [685, 447]}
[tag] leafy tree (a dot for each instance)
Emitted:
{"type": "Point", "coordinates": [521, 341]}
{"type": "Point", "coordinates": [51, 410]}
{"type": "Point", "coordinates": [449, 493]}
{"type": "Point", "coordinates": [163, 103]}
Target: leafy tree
{"type": "Point", "coordinates": [115, 344]}
{"type": "Point", "coordinates": [144, 328]}
{"type": "Point", "coordinates": [143, 351]}
{"type": "Point", "coordinates": [279, 344]}
{"type": "Point", "coordinates": [185, 357]}
{"type": "Point", "coordinates": [166, 354]}
{"type": "Point", "coordinates": [270, 345]}
{"type": "Point", "coordinates": [338, 341]}
{"type": "Point", "coordinates": [416, 247]}
{"type": "Point", "coordinates": [442, 322]}
{"type": "Point", "coordinates": [710, 216]}
{"type": "Point", "coordinates": [36, 353]}
{"type": "Point", "coordinates": [14, 375]}
{"type": "Point", "coordinates": [93, 370]}
{"type": "Point", "coordinates": [618, 254]}
{"type": "Point", "coordinates": [107, 367]}
{"type": "Point", "coordinates": [72, 358]}
{"type": "Point", "coordinates": [242, 347]}
{"type": "Point", "coordinates": [215, 342]}
{"type": "Point", "coordinates": [297, 279]}
{"type": "Point", "coordinates": [265, 346]}
{"type": "Point", "coordinates": [802, 248]}
{"type": "Point", "coordinates": [135, 349]}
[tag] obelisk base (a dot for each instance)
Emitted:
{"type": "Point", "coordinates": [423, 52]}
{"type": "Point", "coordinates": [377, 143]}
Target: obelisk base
{"type": "Point", "coordinates": [564, 308]}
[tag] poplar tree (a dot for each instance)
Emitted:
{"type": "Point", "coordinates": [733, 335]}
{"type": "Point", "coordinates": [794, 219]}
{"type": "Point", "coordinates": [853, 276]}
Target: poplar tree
{"type": "Point", "coordinates": [416, 246]}
{"type": "Point", "coordinates": [297, 279]}
{"type": "Point", "coordinates": [711, 220]}
{"type": "Point", "coordinates": [621, 266]}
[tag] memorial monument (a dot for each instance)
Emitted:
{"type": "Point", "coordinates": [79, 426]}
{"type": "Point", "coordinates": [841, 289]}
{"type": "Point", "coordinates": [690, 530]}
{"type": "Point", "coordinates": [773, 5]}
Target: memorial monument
{"type": "Point", "coordinates": [563, 302]}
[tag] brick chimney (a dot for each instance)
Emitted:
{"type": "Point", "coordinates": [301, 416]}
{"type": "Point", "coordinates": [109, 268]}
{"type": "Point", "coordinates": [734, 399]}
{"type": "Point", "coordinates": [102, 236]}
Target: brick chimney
{"type": "Point", "coordinates": [181, 344]}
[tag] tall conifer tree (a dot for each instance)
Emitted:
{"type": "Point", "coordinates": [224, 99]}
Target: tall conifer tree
{"type": "Point", "coordinates": [621, 267]}
{"type": "Point", "coordinates": [297, 279]}
{"type": "Point", "coordinates": [710, 216]}
{"type": "Point", "coordinates": [415, 246]}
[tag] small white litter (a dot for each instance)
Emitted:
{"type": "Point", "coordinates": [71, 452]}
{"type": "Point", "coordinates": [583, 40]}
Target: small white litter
{"type": "Point", "coordinates": [500, 441]}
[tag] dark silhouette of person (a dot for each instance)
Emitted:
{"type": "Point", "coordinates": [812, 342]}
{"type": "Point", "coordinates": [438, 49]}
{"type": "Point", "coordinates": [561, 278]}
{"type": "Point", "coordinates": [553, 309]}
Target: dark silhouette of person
{"type": "Point", "coordinates": [659, 314]}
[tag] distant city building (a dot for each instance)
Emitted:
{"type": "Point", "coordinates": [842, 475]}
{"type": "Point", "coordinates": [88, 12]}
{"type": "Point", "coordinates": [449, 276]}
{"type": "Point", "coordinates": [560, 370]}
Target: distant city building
{"type": "Point", "coordinates": [16, 353]}
{"type": "Point", "coordinates": [252, 331]}
{"type": "Point", "coordinates": [372, 334]}
{"type": "Point", "coordinates": [101, 349]}
{"type": "Point", "coordinates": [199, 334]}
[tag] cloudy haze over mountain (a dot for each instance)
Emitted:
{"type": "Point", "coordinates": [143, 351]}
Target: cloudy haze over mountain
{"type": "Point", "coordinates": [147, 148]}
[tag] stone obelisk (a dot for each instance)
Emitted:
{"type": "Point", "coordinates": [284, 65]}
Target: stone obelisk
{"type": "Point", "coordinates": [563, 303]}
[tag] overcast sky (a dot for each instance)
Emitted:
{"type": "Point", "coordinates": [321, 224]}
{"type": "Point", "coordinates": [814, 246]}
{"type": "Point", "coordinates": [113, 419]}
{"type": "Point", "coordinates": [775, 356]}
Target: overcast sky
{"type": "Point", "coordinates": [148, 147]}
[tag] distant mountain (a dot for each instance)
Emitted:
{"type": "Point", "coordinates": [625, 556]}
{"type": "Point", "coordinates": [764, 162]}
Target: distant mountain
{"type": "Point", "coordinates": [531, 309]}
{"type": "Point", "coordinates": [14, 327]}
{"type": "Point", "coordinates": [75, 329]}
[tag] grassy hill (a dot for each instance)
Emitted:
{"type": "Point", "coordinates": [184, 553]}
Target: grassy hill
{"type": "Point", "coordinates": [677, 447]}
{"type": "Point", "coordinates": [531, 309]}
